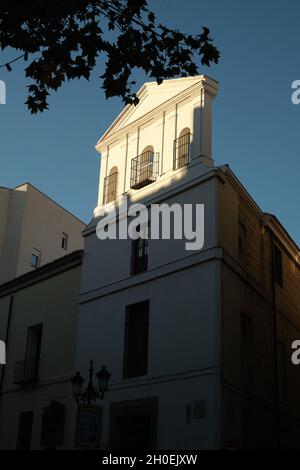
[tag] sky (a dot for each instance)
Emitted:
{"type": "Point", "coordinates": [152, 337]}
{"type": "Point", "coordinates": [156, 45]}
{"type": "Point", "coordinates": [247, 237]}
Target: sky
{"type": "Point", "coordinates": [255, 124]}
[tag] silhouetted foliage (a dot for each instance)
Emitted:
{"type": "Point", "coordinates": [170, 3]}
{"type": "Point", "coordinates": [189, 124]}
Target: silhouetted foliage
{"type": "Point", "coordinates": [63, 39]}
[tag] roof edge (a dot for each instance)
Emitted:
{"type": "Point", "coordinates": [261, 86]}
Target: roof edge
{"type": "Point", "coordinates": [53, 267]}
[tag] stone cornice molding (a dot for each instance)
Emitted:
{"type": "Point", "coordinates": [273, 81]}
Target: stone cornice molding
{"type": "Point", "coordinates": [205, 83]}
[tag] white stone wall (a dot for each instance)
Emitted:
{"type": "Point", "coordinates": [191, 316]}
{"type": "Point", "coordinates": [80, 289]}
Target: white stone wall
{"type": "Point", "coordinates": [183, 351]}
{"type": "Point", "coordinates": [182, 286]}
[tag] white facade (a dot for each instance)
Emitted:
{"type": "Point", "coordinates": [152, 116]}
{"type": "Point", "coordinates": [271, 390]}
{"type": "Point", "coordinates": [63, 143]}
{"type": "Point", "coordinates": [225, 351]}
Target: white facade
{"type": "Point", "coordinates": [182, 287]}
{"type": "Point", "coordinates": [162, 113]}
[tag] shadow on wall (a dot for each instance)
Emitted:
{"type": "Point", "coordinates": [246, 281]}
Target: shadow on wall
{"type": "Point", "coordinates": [150, 167]}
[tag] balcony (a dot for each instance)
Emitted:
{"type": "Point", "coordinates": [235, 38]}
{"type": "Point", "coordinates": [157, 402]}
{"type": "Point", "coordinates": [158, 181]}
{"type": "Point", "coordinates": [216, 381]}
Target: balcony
{"type": "Point", "coordinates": [144, 169]}
{"type": "Point", "coordinates": [182, 151]}
{"type": "Point", "coordinates": [26, 371]}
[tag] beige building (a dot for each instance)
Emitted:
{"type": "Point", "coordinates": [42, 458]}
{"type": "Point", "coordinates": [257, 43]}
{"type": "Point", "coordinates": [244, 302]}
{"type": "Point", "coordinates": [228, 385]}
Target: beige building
{"type": "Point", "coordinates": [38, 320]}
{"type": "Point", "coordinates": [198, 342]}
{"type": "Point", "coordinates": [260, 319]}
{"type": "Point", "coordinates": [33, 231]}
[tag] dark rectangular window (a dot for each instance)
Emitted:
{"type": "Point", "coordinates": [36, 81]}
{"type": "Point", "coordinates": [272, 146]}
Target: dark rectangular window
{"type": "Point", "coordinates": [139, 255]}
{"type": "Point", "coordinates": [181, 150]}
{"type": "Point", "coordinates": [281, 371]}
{"type": "Point", "coordinates": [33, 351]}
{"type": "Point", "coordinates": [35, 258]}
{"type": "Point", "coordinates": [34, 339]}
{"type": "Point", "coordinates": [278, 266]}
{"type": "Point", "coordinates": [53, 425]}
{"type": "Point", "coordinates": [25, 430]}
{"type": "Point", "coordinates": [242, 244]}
{"type": "Point", "coordinates": [110, 187]}
{"type": "Point", "coordinates": [136, 340]}
{"type": "Point", "coordinates": [64, 241]}
{"type": "Point", "coordinates": [144, 169]}
{"type": "Point", "coordinates": [246, 350]}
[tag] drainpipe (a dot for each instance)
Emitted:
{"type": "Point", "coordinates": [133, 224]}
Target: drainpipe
{"type": "Point", "coordinates": [6, 342]}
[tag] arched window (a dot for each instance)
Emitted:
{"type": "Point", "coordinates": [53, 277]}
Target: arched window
{"type": "Point", "coordinates": [144, 168]}
{"type": "Point", "coordinates": [146, 163]}
{"type": "Point", "coordinates": [182, 148]}
{"type": "Point", "coordinates": [110, 186]}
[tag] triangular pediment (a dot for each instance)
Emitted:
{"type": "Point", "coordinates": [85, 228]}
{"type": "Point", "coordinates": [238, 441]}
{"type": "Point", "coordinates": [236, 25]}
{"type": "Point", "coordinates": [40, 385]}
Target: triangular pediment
{"type": "Point", "coordinates": [151, 96]}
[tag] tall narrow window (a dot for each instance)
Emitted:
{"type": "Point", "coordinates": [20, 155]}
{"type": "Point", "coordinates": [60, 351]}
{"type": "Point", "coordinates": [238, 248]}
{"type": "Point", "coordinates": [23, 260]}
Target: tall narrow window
{"type": "Point", "coordinates": [64, 241]}
{"type": "Point", "coordinates": [182, 149]}
{"type": "Point", "coordinates": [144, 168]}
{"type": "Point", "coordinates": [110, 186]}
{"type": "Point", "coordinates": [53, 424]}
{"type": "Point", "coordinates": [146, 164]}
{"type": "Point", "coordinates": [25, 430]}
{"type": "Point", "coordinates": [281, 371]}
{"type": "Point", "coordinates": [136, 340]}
{"type": "Point", "coordinates": [278, 277]}
{"type": "Point", "coordinates": [246, 350]}
{"type": "Point", "coordinates": [33, 351]}
{"type": "Point", "coordinates": [35, 258]}
{"type": "Point", "coordinates": [242, 245]}
{"type": "Point", "coordinates": [139, 255]}
{"type": "Point", "coordinates": [246, 337]}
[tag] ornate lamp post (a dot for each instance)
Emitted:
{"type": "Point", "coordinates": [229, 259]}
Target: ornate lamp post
{"type": "Point", "coordinates": [90, 394]}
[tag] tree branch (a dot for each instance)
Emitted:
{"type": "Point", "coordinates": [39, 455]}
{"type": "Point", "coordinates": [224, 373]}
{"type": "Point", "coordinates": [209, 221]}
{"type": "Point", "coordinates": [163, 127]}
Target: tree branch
{"type": "Point", "coordinates": [7, 64]}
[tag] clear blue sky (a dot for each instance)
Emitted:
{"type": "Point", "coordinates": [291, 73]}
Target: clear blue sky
{"type": "Point", "coordinates": [256, 128]}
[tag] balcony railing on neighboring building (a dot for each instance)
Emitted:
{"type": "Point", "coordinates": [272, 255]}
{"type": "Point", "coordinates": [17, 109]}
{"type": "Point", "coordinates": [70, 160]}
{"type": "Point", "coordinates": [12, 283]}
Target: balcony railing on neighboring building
{"type": "Point", "coordinates": [144, 169]}
{"type": "Point", "coordinates": [181, 156]}
{"type": "Point", "coordinates": [110, 188]}
{"type": "Point", "coordinates": [27, 371]}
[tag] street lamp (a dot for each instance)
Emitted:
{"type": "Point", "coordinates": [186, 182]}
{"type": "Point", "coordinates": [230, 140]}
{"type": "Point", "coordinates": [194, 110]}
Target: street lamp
{"type": "Point", "coordinates": [103, 377]}
{"type": "Point", "coordinates": [90, 393]}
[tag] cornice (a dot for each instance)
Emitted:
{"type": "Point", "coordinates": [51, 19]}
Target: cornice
{"type": "Point", "coordinates": [205, 83]}
{"type": "Point", "coordinates": [283, 236]}
{"type": "Point", "coordinates": [157, 196]}
{"type": "Point", "coordinates": [266, 219]}
{"type": "Point", "coordinates": [40, 274]}
{"type": "Point", "coordinates": [193, 259]}
{"type": "Point", "coordinates": [242, 191]}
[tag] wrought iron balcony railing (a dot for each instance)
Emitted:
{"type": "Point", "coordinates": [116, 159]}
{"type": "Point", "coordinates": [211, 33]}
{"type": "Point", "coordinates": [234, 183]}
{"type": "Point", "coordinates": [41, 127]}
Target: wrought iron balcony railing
{"type": "Point", "coordinates": [27, 371]}
{"type": "Point", "coordinates": [181, 156]}
{"type": "Point", "coordinates": [144, 169]}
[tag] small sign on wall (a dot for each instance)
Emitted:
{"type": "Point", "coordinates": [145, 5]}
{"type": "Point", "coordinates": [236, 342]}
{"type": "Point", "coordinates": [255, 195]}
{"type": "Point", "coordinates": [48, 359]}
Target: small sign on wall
{"type": "Point", "coordinates": [88, 426]}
